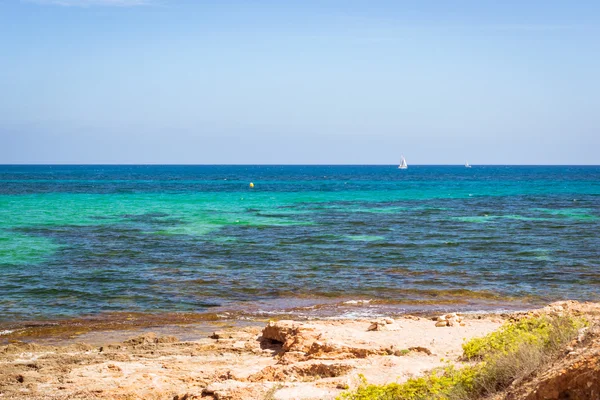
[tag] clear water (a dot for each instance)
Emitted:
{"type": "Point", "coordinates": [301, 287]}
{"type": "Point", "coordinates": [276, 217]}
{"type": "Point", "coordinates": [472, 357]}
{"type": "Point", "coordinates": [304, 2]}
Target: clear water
{"type": "Point", "coordinates": [80, 240]}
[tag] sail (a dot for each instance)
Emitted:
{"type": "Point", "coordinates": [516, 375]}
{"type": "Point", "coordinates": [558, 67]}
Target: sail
{"type": "Point", "coordinates": [403, 164]}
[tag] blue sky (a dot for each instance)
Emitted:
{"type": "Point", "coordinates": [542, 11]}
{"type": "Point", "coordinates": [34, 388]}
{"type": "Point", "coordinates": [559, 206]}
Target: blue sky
{"type": "Point", "coordinates": [327, 81]}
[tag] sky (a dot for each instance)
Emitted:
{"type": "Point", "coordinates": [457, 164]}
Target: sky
{"type": "Point", "coordinates": [299, 81]}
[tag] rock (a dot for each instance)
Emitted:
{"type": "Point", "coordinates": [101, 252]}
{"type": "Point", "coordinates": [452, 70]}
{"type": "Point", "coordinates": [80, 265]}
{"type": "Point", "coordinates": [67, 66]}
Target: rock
{"type": "Point", "coordinates": [290, 357]}
{"type": "Point", "coordinates": [167, 339]}
{"type": "Point", "coordinates": [222, 390]}
{"type": "Point", "coordinates": [292, 335]}
{"type": "Point", "coordinates": [581, 334]}
{"type": "Point", "coordinates": [579, 380]}
{"type": "Point", "coordinates": [380, 324]}
{"type": "Point", "coordinates": [114, 368]}
{"type": "Point", "coordinates": [575, 376]}
{"type": "Point", "coordinates": [421, 350]}
{"type": "Point", "coordinates": [450, 317]}
{"type": "Point", "coordinates": [146, 338]}
{"type": "Point", "coordinates": [279, 331]}
{"type": "Point", "coordinates": [339, 350]}
{"type": "Point", "coordinates": [186, 396]}
{"type": "Point", "coordinates": [303, 339]}
{"type": "Point", "coordinates": [151, 338]}
{"type": "Point", "coordinates": [322, 370]}
{"type": "Point", "coordinates": [306, 391]}
{"type": "Point", "coordinates": [377, 326]}
{"type": "Point", "coordinates": [301, 371]}
{"type": "Point", "coordinates": [221, 335]}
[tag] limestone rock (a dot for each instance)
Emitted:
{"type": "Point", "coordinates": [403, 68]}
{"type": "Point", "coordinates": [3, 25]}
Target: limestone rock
{"type": "Point", "coordinates": [302, 371]}
{"type": "Point", "coordinates": [150, 338]}
{"type": "Point", "coordinates": [279, 331]}
{"type": "Point", "coordinates": [292, 335]}
{"type": "Point", "coordinates": [576, 376]}
{"type": "Point", "coordinates": [451, 319]}
{"type": "Point", "coordinates": [380, 324]}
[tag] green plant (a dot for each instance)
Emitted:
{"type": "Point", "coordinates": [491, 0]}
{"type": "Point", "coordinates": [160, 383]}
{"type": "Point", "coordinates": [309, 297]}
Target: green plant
{"type": "Point", "coordinates": [515, 351]}
{"type": "Point", "coordinates": [545, 332]}
{"type": "Point", "coordinates": [440, 383]}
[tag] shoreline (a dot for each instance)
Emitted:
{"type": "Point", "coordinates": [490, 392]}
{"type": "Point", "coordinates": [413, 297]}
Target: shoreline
{"type": "Point", "coordinates": [283, 359]}
{"type": "Point", "coordinates": [122, 324]}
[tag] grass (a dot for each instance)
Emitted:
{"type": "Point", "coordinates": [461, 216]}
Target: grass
{"type": "Point", "coordinates": [511, 353]}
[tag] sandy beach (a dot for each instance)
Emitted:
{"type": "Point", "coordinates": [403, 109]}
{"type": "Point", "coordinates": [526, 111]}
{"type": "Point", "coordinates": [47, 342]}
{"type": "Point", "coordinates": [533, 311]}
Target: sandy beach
{"type": "Point", "coordinates": [281, 360]}
{"type": "Point", "coordinates": [291, 360]}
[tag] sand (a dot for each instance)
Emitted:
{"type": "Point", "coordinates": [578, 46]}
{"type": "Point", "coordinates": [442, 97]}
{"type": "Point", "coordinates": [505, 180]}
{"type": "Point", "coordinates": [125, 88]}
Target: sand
{"type": "Point", "coordinates": [310, 360]}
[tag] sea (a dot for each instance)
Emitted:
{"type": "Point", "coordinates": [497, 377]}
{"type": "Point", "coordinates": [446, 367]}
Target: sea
{"type": "Point", "coordinates": [306, 241]}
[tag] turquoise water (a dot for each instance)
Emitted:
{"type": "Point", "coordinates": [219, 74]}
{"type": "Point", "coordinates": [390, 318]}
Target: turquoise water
{"type": "Point", "coordinates": [80, 240]}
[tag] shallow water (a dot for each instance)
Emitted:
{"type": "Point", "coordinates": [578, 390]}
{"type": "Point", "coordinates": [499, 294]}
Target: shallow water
{"type": "Point", "coordinates": [80, 240]}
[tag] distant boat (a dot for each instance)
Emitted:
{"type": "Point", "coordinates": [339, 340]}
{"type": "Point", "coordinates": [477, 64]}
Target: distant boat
{"type": "Point", "coordinates": [403, 164]}
{"type": "Point", "coordinates": [467, 165]}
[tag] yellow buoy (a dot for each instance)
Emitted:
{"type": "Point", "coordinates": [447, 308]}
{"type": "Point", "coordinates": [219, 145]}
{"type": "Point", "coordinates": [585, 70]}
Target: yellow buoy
{"type": "Point", "coordinates": [251, 185]}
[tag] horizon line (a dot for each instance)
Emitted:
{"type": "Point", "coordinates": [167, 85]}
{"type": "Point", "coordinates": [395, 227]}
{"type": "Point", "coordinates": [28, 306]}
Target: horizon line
{"type": "Point", "coordinates": [294, 164]}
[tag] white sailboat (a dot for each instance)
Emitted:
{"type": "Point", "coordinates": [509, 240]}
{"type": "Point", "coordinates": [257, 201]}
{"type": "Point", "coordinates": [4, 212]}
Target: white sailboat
{"type": "Point", "coordinates": [467, 165]}
{"type": "Point", "coordinates": [403, 164]}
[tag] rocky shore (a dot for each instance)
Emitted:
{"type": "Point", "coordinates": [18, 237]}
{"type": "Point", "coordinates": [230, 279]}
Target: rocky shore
{"type": "Point", "coordinates": [282, 360]}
